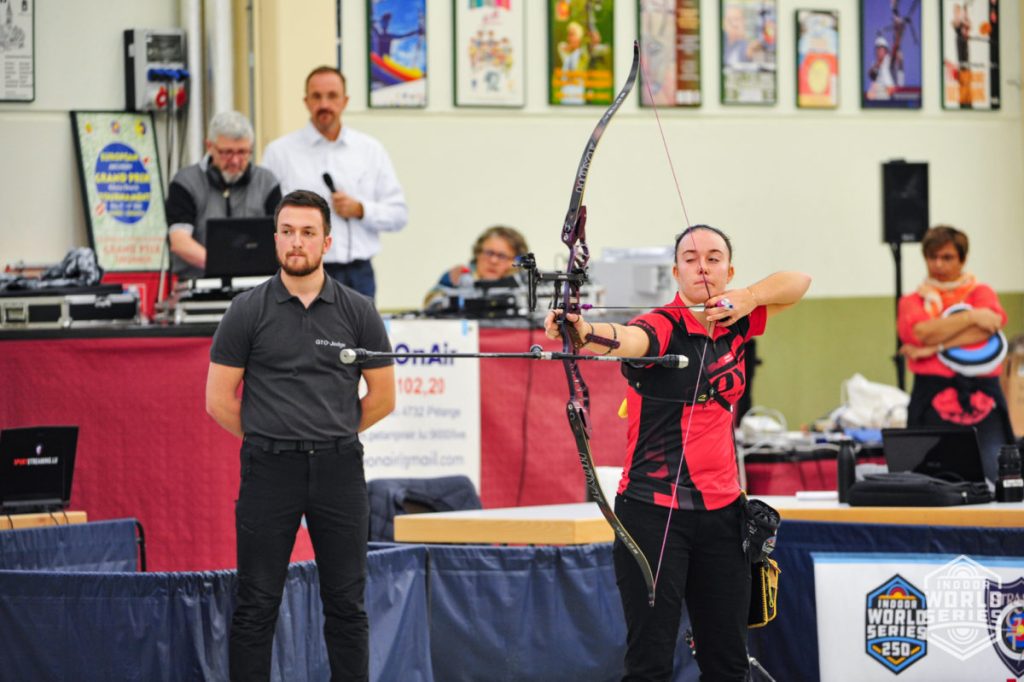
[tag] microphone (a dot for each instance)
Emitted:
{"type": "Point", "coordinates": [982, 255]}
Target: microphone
{"type": "Point", "coordinates": [329, 181]}
{"type": "Point", "coordinates": [349, 356]}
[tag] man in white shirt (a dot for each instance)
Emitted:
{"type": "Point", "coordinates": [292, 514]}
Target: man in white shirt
{"type": "Point", "coordinates": [350, 170]}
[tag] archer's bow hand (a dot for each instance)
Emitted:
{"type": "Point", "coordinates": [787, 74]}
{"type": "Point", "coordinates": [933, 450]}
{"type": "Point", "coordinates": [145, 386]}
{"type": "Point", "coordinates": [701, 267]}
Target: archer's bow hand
{"type": "Point", "coordinates": [574, 322]}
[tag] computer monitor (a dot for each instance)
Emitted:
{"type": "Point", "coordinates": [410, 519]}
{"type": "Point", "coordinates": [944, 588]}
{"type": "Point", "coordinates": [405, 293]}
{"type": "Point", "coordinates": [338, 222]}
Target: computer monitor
{"type": "Point", "coordinates": [949, 452]}
{"type": "Point", "coordinates": [240, 247]}
{"type": "Point", "coordinates": [36, 467]}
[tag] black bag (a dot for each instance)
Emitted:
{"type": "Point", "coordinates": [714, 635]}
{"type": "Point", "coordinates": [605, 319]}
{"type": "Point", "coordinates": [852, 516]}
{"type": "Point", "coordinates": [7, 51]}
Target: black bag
{"type": "Point", "coordinates": [911, 489]}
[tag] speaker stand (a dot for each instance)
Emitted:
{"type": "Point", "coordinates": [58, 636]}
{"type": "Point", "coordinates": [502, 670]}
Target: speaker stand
{"type": "Point", "coordinates": [897, 358]}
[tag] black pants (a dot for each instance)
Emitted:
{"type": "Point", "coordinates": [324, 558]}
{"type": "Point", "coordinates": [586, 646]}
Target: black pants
{"type": "Point", "coordinates": [329, 487]}
{"type": "Point", "coordinates": [704, 565]}
{"type": "Point", "coordinates": [356, 275]}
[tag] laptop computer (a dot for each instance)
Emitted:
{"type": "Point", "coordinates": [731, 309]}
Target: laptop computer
{"type": "Point", "coordinates": [947, 452]}
{"type": "Point", "coordinates": [240, 247]}
{"type": "Point", "coordinates": [36, 467]}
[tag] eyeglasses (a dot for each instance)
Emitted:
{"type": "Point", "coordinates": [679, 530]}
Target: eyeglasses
{"type": "Point", "coordinates": [241, 153]}
{"type": "Point", "coordinates": [487, 253]}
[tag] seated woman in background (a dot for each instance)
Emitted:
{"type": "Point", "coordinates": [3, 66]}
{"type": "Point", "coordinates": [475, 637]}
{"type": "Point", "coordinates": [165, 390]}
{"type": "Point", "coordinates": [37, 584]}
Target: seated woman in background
{"type": "Point", "coordinates": [950, 329]}
{"type": "Point", "coordinates": [494, 255]}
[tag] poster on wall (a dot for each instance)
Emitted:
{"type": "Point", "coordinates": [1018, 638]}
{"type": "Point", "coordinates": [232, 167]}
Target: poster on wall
{"type": "Point", "coordinates": [748, 51]}
{"type": "Point", "coordinates": [17, 51]}
{"type": "Point", "coordinates": [490, 57]}
{"type": "Point", "coordinates": [435, 428]}
{"type": "Point", "coordinates": [397, 61]}
{"type": "Point", "coordinates": [581, 59]}
{"type": "Point", "coordinates": [121, 188]}
{"type": "Point", "coordinates": [817, 59]}
{"type": "Point", "coordinates": [970, 55]}
{"type": "Point", "coordinates": [890, 48]}
{"type": "Point", "coordinates": [669, 33]}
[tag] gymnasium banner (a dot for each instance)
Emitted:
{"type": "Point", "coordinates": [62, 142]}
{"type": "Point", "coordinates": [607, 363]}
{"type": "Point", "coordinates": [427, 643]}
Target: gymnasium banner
{"type": "Point", "coordinates": [926, 617]}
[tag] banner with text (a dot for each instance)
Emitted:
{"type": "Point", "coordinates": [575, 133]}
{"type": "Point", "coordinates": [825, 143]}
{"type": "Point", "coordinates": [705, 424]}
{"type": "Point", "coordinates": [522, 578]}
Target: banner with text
{"type": "Point", "coordinates": [928, 617]}
{"type": "Point", "coordinates": [124, 200]}
{"type": "Point", "coordinates": [435, 428]}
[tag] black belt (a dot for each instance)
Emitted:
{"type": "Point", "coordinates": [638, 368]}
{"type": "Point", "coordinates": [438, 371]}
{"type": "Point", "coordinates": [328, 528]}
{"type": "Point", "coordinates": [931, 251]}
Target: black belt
{"type": "Point", "coordinates": [276, 446]}
{"type": "Point", "coordinates": [351, 263]}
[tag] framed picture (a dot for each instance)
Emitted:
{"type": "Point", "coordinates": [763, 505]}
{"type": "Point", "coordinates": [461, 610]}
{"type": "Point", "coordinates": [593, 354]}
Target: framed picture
{"type": "Point", "coordinates": [121, 188]}
{"type": "Point", "coordinates": [490, 55]}
{"type": "Point", "coordinates": [748, 51]}
{"type": "Point", "coordinates": [397, 62]}
{"type": "Point", "coordinates": [17, 51]}
{"type": "Point", "coordinates": [669, 33]}
{"type": "Point", "coordinates": [817, 59]}
{"type": "Point", "coordinates": [970, 54]}
{"type": "Point", "coordinates": [581, 58]}
{"type": "Point", "coordinates": [890, 54]}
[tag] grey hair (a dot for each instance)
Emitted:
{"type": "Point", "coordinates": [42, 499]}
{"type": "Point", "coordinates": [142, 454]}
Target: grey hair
{"type": "Point", "coordinates": [230, 124]}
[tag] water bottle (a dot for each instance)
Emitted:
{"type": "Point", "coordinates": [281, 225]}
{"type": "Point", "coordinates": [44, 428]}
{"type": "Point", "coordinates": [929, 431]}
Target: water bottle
{"type": "Point", "coordinates": [1010, 486]}
{"type": "Point", "coordinates": [846, 468]}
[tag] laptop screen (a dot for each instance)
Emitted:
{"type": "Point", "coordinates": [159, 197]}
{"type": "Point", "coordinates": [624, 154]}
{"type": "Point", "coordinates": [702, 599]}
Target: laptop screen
{"type": "Point", "coordinates": [948, 452]}
{"type": "Point", "coordinates": [36, 466]}
{"type": "Point", "coordinates": [240, 247]}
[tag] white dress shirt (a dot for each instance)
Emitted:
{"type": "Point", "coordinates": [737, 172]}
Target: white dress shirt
{"type": "Point", "coordinates": [360, 167]}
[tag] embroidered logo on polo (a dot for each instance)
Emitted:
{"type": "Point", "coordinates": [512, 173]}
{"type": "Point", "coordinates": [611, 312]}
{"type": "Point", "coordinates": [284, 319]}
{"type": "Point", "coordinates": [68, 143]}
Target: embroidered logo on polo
{"type": "Point", "coordinates": [1005, 605]}
{"type": "Point", "coordinates": [895, 624]}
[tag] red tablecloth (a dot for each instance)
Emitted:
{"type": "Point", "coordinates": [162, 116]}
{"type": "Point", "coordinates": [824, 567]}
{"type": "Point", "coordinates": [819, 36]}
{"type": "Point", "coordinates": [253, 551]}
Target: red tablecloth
{"type": "Point", "coordinates": [147, 448]}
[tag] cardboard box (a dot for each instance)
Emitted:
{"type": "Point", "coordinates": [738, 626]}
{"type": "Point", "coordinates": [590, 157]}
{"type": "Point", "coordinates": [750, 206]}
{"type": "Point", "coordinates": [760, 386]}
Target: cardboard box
{"type": "Point", "coordinates": [1013, 384]}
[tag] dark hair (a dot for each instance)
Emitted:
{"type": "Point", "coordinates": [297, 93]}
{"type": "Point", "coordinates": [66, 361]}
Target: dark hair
{"type": "Point", "coordinates": [692, 228]}
{"type": "Point", "coordinates": [515, 239]}
{"type": "Point", "coordinates": [327, 69]}
{"type": "Point", "coordinates": [940, 235]}
{"type": "Point", "coordinates": [303, 198]}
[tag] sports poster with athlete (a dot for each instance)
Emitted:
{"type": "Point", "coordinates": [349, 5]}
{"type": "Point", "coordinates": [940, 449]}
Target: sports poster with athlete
{"type": "Point", "coordinates": [890, 48]}
{"type": "Point", "coordinates": [489, 53]}
{"type": "Point", "coordinates": [398, 53]}
{"type": "Point", "coordinates": [817, 59]}
{"type": "Point", "coordinates": [749, 55]}
{"type": "Point", "coordinates": [970, 54]}
{"type": "Point", "coordinates": [670, 44]}
{"type": "Point", "coordinates": [580, 55]}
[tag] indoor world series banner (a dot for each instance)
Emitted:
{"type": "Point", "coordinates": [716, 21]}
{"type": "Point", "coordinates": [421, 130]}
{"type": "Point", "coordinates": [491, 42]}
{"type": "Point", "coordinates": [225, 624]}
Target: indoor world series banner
{"type": "Point", "coordinates": [922, 617]}
{"type": "Point", "coordinates": [121, 188]}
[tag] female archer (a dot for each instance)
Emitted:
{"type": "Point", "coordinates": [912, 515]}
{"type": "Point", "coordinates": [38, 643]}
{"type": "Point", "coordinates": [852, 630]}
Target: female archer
{"type": "Point", "coordinates": [679, 496]}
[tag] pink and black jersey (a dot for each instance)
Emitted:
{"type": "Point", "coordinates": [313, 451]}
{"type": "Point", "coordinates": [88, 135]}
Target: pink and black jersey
{"type": "Point", "coordinates": [669, 409]}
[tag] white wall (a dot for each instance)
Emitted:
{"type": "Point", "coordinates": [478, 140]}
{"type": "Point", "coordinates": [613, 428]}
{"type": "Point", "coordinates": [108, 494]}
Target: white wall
{"type": "Point", "coordinates": [796, 189]}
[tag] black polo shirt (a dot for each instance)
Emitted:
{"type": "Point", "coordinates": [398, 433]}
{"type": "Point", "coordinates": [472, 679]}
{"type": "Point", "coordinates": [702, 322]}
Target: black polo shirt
{"type": "Point", "coordinates": [295, 386]}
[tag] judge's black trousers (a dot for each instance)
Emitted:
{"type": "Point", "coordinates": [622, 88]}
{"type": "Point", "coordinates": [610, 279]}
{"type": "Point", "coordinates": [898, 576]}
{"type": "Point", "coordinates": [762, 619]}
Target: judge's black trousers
{"type": "Point", "coordinates": [326, 483]}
